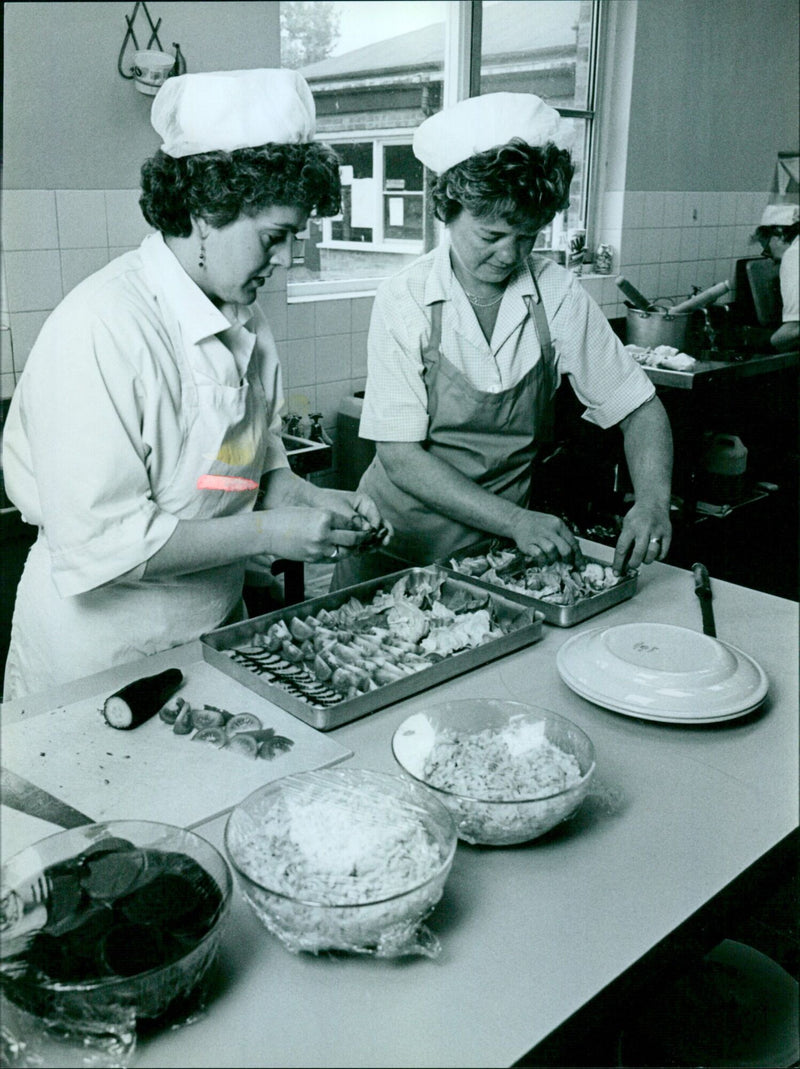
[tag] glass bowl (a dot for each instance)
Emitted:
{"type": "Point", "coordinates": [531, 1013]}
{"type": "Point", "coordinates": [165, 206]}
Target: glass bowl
{"type": "Point", "coordinates": [343, 859]}
{"type": "Point", "coordinates": [507, 771]}
{"type": "Point", "coordinates": [108, 918]}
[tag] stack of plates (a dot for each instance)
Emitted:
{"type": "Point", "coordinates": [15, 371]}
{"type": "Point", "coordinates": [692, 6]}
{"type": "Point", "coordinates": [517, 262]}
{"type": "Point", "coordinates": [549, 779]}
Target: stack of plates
{"type": "Point", "coordinates": [662, 672]}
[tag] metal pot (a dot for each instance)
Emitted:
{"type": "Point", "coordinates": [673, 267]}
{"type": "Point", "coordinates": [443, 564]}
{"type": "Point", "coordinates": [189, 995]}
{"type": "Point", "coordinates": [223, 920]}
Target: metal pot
{"type": "Point", "coordinates": [660, 327]}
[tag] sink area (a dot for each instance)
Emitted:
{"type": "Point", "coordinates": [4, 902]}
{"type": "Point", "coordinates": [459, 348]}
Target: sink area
{"type": "Point", "coordinates": [306, 456]}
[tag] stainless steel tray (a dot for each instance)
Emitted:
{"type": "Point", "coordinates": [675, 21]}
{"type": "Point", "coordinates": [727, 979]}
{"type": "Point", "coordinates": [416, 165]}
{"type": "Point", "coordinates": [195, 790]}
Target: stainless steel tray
{"type": "Point", "coordinates": [523, 621]}
{"type": "Point", "coordinates": [555, 614]}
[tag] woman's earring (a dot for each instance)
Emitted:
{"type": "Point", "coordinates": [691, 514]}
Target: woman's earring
{"type": "Point", "coordinates": [201, 260]}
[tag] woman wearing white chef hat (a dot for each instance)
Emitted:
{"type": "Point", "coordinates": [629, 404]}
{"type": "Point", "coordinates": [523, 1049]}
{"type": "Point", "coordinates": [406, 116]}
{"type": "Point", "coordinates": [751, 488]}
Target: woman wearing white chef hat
{"type": "Point", "coordinates": [467, 346]}
{"type": "Point", "coordinates": [778, 233]}
{"type": "Point", "coordinates": [148, 413]}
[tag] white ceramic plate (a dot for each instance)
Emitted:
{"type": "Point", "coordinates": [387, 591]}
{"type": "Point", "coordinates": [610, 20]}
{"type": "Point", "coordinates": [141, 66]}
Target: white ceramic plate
{"type": "Point", "coordinates": [662, 672]}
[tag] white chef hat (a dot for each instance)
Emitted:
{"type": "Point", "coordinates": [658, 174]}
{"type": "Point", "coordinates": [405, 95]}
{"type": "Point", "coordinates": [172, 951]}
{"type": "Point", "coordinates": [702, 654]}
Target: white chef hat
{"type": "Point", "coordinates": [483, 122]}
{"type": "Point", "coordinates": [226, 110]}
{"type": "Point", "coordinates": [780, 215]}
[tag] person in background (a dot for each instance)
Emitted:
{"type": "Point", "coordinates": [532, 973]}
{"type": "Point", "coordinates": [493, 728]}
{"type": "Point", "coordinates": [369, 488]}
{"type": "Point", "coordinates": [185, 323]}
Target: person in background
{"type": "Point", "coordinates": [143, 439]}
{"type": "Point", "coordinates": [778, 236]}
{"type": "Point", "coordinates": [467, 346]}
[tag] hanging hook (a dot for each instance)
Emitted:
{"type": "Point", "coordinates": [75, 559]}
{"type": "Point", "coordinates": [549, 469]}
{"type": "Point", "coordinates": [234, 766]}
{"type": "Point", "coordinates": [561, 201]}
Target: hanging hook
{"type": "Point", "coordinates": [153, 39]}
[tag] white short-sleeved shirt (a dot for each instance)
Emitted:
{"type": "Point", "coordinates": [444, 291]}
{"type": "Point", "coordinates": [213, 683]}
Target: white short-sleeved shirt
{"type": "Point", "coordinates": [790, 282]}
{"type": "Point", "coordinates": [606, 380]}
{"type": "Point", "coordinates": [96, 424]}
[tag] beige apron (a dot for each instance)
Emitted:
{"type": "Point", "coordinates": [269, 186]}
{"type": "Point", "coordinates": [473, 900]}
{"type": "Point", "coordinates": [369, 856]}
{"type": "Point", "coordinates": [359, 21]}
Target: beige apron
{"type": "Point", "coordinates": [492, 438]}
{"type": "Point", "coordinates": [224, 431]}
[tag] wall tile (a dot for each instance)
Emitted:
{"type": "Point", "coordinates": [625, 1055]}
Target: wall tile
{"type": "Point", "coordinates": [653, 209]}
{"type": "Point", "coordinates": [707, 245]}
{"type": "Point", "coordinates": [725, 238]}
{"type": "Point", "coordinates": [651, 245]}
{"type": "Point", "coordinates": [648, 280]}
{"type": "Point", "coordinates": [332, 317]}
{"type": "Point", "coordinates": [297, 361]}
{"type": "Point", "coordinates": [78, 264]}
{"type": "Point", "coordinates": [673, 209]}
{"type": "Point", "coordinates": [81, 219]}
{"type": "Point", "coordinates": [333, 358]}
{"type": "Point", "coordinates": [744, 209]}
{"type": "Point", "coordinates": [274, 307]}
{"type": "Point", "coordinates": [670, 244]}
{"type": "Point", "coordinates": [329, 397]}
{"type": "Point", "coordinates": [126, 224]}
{"type": "Point", "coordinates": [631, 251]}
{"type": "Point", "coordinates": [686, 278]}
{"type": "Point", "coordinates": [361, 310]}
{"type": "Point", "coordinates": [691, 209]}
{"type": "Point", "coordinates": [359, 354]}
{"type": "Point", "coordinates": [668, 280]}
{"type": "Point", "coordinates": [33, 279]}
{"type": "Point", "coordinates": [727, 209]}
{"type": "Point", "coordinates": [300, 320]}
{"type": "Point", "coordinates": [7, 384]}
{"type": "Point", "coordinates": [690, 243]}
{"type": "Point", "coordinates": [6, 353]}
{"type": "Point", "coordinates": [634, 209]}
{"type": "Point", "coordinates": [25, 327]}
{"type": "Point", "coordinates": [709, 209]}
{"type": "Point", "coordinates": [29, 219]}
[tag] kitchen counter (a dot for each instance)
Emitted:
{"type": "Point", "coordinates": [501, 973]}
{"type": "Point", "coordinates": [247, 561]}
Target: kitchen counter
{"type": "Point", "coordinates": [708, 373]}
{"type": "Point", "coordinates": [534, 934]}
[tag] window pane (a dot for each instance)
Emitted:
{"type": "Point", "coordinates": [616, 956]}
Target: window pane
{"type": "Point", "coordinates": [375, 71]}
{"type": "Point", "coordinates": [538, 46]}
{"type": "Point", "coordinates": [544, 47]}
{"type": "Point", "coordinates": [357, 219]}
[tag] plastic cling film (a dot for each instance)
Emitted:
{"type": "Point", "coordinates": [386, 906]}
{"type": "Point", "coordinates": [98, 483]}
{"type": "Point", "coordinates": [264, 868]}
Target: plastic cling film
{"type": "Point", "coordinates": [344, 859]}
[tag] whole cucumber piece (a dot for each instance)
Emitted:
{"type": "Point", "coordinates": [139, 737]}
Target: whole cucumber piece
{"type": "Point", "coordinates": [135, 703]}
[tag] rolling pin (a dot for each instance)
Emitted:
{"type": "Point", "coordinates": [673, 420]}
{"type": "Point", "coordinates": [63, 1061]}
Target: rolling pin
{"type": "Point", "coordinates": [700, 300]}
{"type": "Point", "coordinates": [637, 299]}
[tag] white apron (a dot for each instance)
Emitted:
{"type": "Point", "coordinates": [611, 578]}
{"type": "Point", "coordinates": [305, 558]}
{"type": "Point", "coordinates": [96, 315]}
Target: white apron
{"type": "Point", "coordinates": [225, 432]}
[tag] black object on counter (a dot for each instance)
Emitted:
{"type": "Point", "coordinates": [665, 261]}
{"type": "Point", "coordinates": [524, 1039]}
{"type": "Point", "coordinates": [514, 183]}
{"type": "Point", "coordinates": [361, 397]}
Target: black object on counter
{"type": "Point", "coordinates": [141, 699]}
{"type": "Point", "coordinates": [702, 587]}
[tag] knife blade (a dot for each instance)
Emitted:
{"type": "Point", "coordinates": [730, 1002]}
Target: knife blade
{"type": "Point", "coordinates": [21, 794]}
{"type": "Point", "coordinates": [702, 587]}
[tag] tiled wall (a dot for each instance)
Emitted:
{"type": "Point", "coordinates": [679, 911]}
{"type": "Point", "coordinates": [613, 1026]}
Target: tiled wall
{"type": "Point", "coordinates": [664, 242]}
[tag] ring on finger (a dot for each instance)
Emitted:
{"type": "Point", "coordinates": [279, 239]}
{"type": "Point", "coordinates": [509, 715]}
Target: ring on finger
{"type": "Point", "coordinates": [335, 554]}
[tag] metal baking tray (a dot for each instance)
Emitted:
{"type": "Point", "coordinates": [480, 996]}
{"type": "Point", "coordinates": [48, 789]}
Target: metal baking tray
{"type": "Point", "coordinates": [554, 613]}
{"type": "Point", "coordinates": [523, 620]}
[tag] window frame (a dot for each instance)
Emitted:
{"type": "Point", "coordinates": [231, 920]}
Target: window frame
{"type": "Point", "coordinates": [461, 77]}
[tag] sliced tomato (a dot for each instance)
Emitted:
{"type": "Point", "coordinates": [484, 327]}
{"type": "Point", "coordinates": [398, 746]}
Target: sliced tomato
{"type": "Point", "coordinates": [243, 722]}
{"type": "Point", "coordinates": [215, 735]}
{"type": "Point", "coordinates": [243, 743]}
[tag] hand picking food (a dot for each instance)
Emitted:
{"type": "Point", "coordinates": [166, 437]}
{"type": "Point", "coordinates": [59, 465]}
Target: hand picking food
{"type": "Point", "coordinates": [556, 582]}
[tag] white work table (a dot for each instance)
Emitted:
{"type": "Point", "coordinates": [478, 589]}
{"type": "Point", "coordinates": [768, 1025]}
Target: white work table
{"type": "Point", "coordinates": [529, 934]}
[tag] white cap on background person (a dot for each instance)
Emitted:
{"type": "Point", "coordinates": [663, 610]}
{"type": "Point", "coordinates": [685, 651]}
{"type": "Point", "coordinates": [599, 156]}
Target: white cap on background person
{"type": "Point", "coordinates": [780, 215]}
{"type": "Point", "coordinates": [480, 123]}
{"type": "Point", "coordinates": [227, 110]}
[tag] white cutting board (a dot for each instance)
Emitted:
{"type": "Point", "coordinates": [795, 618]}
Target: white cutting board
{"type": "Point", "coordinates": [150, 773]}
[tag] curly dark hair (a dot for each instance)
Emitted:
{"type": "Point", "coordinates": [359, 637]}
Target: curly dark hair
{"type": "Point", "coordinates": [221, 186]}
{"type": "Point", "coordinates": [514, 182]}
{"type": "Point", "coordinates": [785, 233]}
